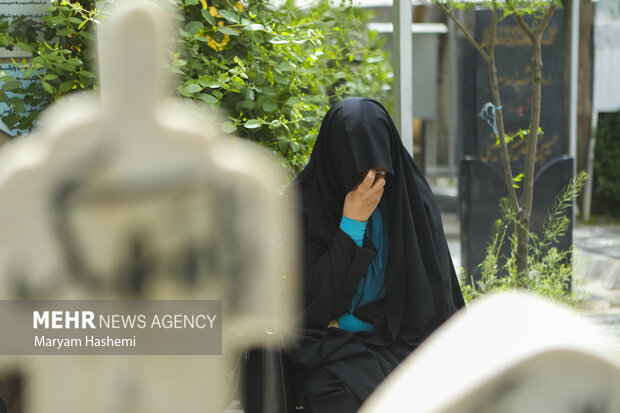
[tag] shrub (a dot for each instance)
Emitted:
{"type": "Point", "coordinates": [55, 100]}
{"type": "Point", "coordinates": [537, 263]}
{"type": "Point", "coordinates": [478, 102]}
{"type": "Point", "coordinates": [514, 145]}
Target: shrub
{"type": "Point", "coordinates": [607, 165]}
{"type": "Point", "coordinates": [63, 59]}
{"type": "Point", "coordinates": [273, 73]}
{"type": "Point", "coordinates": [549, 271]}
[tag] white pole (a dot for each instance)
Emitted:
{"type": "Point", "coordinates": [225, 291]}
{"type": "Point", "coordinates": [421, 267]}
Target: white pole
{"type": "Point", "coordinates": [587, 190]}
{"type": "Point", "coordinates": [403, 76]}
{"type": "Point", "coordinates": [454, 97]}
{"type": "Point", "coordinates": [574, 67]}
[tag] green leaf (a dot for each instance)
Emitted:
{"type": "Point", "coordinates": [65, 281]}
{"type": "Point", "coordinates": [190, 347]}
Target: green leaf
{"type": "Point", "coordinates": [340, 75]}
{"type": "Point", "coordinates": [248, 104]}
{"type": "Point", "coordinates": [269, 106]}
{"type": "Point", "coordinates": [279, 40]}
{"type": "Point", "coordinates": [228, 31]}
{"type": "Point", "coordinates": [269, 91]}
{"type": "Point", "coordinates": [282, 144]}
{"type": "Point", "coordinates": [252, 124]}
{"type": "Point", "coordinates": [25, 46]}
{"type": "Point", "coordinates": [9, 86]}
{"type": "Point", "coordinates": [87, 74]}
{"type": "Point", "coordinates": [286, 66]}
{"type": "Point", "coordinates": [517, 179]}
{"type": "Point", "coordinates": [10, 120]}
{"type": "Point", "coordinates": [18, 106]}
{"type": "Point", "coordinates": [194, 27]}
{"type": "Point", "coordinates": [67, 66]}
{"type": "Point", "coordinates": [229, 15]}
{"type": "Point", "coordinates": [292, 101]}
{"type": "Point", "coordinates": [228, 127]}
{"type": "Point", "coordinates": [5, 77]}
{"type": "Point", "coordinates": [190, 89]}
{"type": "Point", "coordinates": [207, 98]}
{"type": "Point", "coordinates": [64, 32]}
{"type": "Point", "coordinates": [75, 20]}
{"type": "Point", "coordinates": [208, 17]}
{"type": "Point", "coordinates": [310, 138]}
{"type": "Point", "coordinates": [48, 88]}
{"type": "Point", "coordinates": [65, 86]}
{"type": "Point", "coordinates": [253, 27]}
{"type": "Point", "coordinates": [209, 84]}
{"type": "Point", "coordinates": [87, 35]}
{"type": "Point", "coordinates": [275, 124]}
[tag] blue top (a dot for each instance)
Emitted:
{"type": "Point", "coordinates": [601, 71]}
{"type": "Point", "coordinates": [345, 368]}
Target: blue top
{"type": "Point", "coordinates": [371, 287]}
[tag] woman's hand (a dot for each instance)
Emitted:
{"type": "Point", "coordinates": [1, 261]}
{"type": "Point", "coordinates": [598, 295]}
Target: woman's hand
{"type": "Point", "coordinates": [333, 324]}
{"type": "Point", "coordinates": [360, 203]}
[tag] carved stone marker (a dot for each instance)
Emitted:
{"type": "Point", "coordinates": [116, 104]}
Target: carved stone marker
{"type": "Point", "coordinates": [508, 353]}
{"type": "Point", "coordinates": [513, 59]}
{"type": "Point", "coordinates": [481, 180]}
{"type": "Point", "coordinates": [481, 188]}
{"type": "Point", "coordinates": [133, 196]}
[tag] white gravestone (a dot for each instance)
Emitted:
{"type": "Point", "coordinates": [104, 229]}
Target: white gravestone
{"type": "Point", "coordinates": [508, 353]}
{"type": "Point", "coordinates": [129, 195]}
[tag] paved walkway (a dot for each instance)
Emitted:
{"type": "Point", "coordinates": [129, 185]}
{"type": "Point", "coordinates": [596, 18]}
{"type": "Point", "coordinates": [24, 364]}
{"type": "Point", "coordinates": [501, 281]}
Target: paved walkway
{"type": "Point", "coordinates": [598, 273]}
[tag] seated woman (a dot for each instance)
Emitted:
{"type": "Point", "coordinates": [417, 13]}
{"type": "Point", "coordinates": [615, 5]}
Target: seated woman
{"type": "Point", "coordinates": [378, 277]}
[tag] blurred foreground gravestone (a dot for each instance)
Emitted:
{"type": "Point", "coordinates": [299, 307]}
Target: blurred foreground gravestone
{"type": "Point", "coordinates": [131, 196]}
{"type": "Point", "coordinates": [508, 353]}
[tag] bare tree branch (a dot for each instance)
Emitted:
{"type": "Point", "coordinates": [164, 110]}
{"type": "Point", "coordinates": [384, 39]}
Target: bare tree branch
{"type": "Point", "coordinates": [469, 37]}
{"type": "Point", "coordinates": [542, 25]}
{"type": "Point", "coordinates": [527, 29]}
{"type": "Point", "coordinates": [499, 117]}
{"type": "Point", "coordinates": [493, 30]}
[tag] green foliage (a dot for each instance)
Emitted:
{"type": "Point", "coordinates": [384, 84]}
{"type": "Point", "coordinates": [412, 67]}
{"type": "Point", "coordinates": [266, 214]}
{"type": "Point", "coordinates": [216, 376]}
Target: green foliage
{"type": "Point", "coordinates": [63, 59]}
{"type": "Point", "coordinates": [272, 74]}
{"type": "Point", "coordinates": [607, 165]}
{"type": "Point", "coordinates": [549, 270]}
{"type": "Point", "coordinates": [507, 8]}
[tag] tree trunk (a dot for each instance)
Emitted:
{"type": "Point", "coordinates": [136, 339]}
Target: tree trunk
{"type": "Point", "coordinates": [530, 160]}
{"type": "Point", "coordinates": [584, 92]}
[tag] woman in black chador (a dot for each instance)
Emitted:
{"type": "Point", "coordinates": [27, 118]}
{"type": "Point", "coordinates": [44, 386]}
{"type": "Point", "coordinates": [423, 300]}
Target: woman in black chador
{"type": "Point", "coordinates": [378, 275]}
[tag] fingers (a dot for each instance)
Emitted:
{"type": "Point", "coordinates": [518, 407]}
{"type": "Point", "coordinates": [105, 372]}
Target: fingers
{"type": "Point", "coordinates": [368, 180]}
{"type": "Point", "coordinates": [379, 181]}
{"type": "Point", "coordinates": [362, 200]}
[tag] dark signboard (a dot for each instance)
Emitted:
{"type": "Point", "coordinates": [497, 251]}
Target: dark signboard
{"type": "Point", "coordinates": [513, 59]}
{"type": "Point", "coordinates": [482, 177]}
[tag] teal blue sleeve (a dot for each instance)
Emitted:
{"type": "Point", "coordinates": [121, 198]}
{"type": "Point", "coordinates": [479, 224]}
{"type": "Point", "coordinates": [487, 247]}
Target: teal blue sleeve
{"type": "Point", "coordinates": [354, 229]}
{"type": "Point", "coordinates": [352, 324]}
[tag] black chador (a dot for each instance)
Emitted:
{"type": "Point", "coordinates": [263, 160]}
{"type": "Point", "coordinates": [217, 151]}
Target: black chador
{"type": "Point", "coordinates": [333, 369]}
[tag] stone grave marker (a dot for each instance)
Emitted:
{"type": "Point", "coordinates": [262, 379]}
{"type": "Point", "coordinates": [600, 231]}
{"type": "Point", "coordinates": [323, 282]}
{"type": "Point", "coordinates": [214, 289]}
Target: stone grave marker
{"type": "Point", "coordinates": [513, 60]}
{"type": "Point", "coordinates": [481, 182]}
{"type": "Point", "coordinates": [481, 188]}
{"type": "Point", "coordinates": [132, 195]}
{"type": "Point", "coordinates": [508, 353]}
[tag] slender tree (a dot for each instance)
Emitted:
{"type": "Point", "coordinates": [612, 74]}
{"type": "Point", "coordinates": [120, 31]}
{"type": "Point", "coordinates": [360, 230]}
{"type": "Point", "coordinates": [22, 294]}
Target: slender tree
{"type": "Point", "coordinates": [542, 12]}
